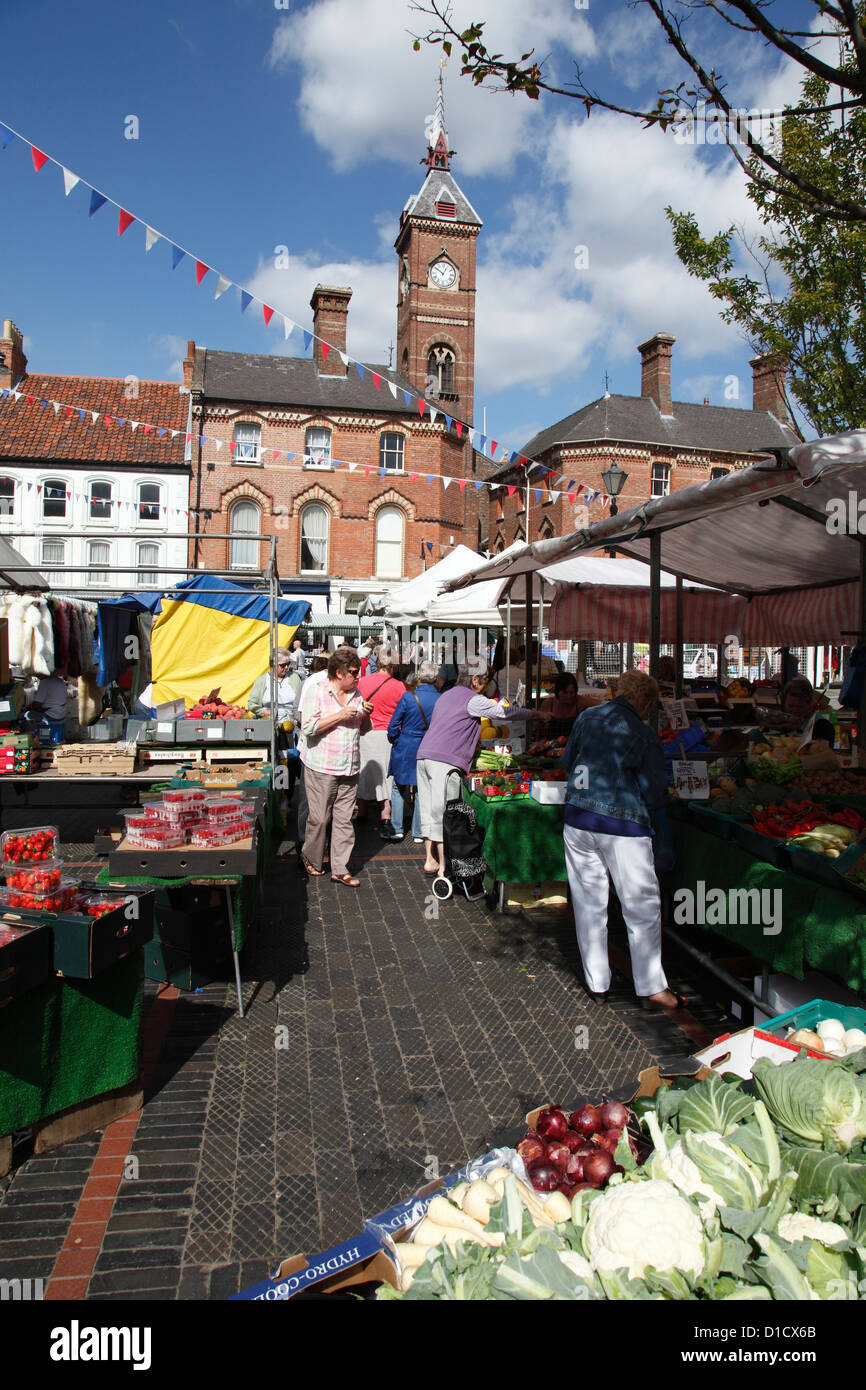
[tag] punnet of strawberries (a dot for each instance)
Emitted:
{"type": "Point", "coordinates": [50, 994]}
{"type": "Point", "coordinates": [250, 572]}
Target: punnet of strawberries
{"type": "Point", "coordinates": [29, 846]}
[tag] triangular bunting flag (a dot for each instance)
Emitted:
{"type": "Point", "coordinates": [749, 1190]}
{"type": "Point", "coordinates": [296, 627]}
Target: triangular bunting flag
{"type": "Point", "coordinates": [201, 271]}
{"type": "Point", "coordinates": [125, 219]}
{"type": "Point", "coordinates": [222, 285]}
{"type": "Point", "coordinates": [121, 423]}
{"type": "Point", "coordinates": [578, 490]}
{"type": "Point", "coordinates": [68, 409]}
{"type": "Point", "coordinates": [445, 482]}
{"type": "Point", "coordinates": [494, 487]}
{"type": "Point", "coordinates": [554, 495]}
{"type": "Point", "coordinates": [69, 181]}
{"type": "Point", "coordinates": [150, 238]}
{"type": "Point", "coordinates": [38, 158]}
{"type": "Point", "coordinates": [42, 404]}
{"type": "Point", "coordinates": [393, 389]}
{"type": "Point", "coordinates": [288, 325]}
{"type": "Point", "coordinates": [434, 416]}
{"type": "Point", "coordinates": [462, 483]}
{"type": "Point", "coordinates": [571, 496]}
{"type": "Point", "coordinates": [5, 136]}
{"type": "Point", "coordinates": [97, 200]}
{"type": "Point", "coordinates": [511, 490]}
{"type": "Point", "coordinates": [377, 380]}
{"type": "Point", "coordinates": [268, 313]}
{"type": "Point", "coordinates": [175, 433]}
{"type": "Point", "coordinates": [148, 428]}
{"type": "Point", "coordinates": [308, 338]}
{"type": "Point", "coordinates": [56, 405]}
{"type": "Point", "coordinates": [458, 425]}
{"type": "Point", "coordinates": [134, 424]}
{"type": "Point", "coordinates": [188, 438]}
{"type": "Point", "coordinates": [352, 467]}
{"type": "Point", "coordinates": [493, 447]}
{"type": "Point", "coordinates": [160, 432]}
{"type": "Point", "coordinates": [326, 348]}
{"type": "Point", "coordinates": [81, 414]}
{"type": "Point", "coordinates": [538, 493]}
{"type": "Point", "coordinates": [382, 472]}
{"type": "Point", "coordinates": [108, 419]}
{"type": "Point", "coordinates": [176, 256]}
{"type": "Point", "coordinates": [471, 434]}
{"type": "Point", "coordinates": [478, 486]}
{"type": "Point", "coordinates": [246, 301]}
{"type": "Point", "coordinates": [483, 442]}
{"type": "Point", "coordinates": [367, 472]}
{"type": "Point", "coordinates": [218, 443]}
{"type": "Point", "coordinates": [30, 400]}
{"type": "Point", "coordinates": [360, 367]}
{"type": "Point", "coordinates": [289, 457]}
{"type": "Point", "coordinates": [422, 405]}
{"type": "Point", "coordinates": [448, 422]}
{"type": "Point", "coordinates": [343, 358]}
{"type": "Point", "coordinates": [408, 399]}
{"type": "Point", "coordinates": [431, 477]}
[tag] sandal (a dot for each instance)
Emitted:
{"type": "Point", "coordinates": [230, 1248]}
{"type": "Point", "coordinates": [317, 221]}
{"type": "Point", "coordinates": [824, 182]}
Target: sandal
{"type": "Point", "coordinates": [347, 879]}
{"type": "Point", "coordinates": [314, 873]}
{"type": "Point", "coordinates": [652, 1007]}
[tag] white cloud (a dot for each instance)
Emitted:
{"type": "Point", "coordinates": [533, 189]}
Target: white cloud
{"type": "Point", "coordinates": [171, 349]}
{"type": "Point", "coordinates": [363, 88]}
{"type": "Point", "coordinates": [372, 323]}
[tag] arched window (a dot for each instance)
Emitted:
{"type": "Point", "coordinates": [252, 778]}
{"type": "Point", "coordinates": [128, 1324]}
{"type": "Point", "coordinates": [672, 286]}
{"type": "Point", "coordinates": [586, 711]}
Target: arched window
{"type": "Point", "coordinates": [149, 498]}
{"type": "Point", "coordinates": [147, 559]}
{"type": "Point", "coordinates": [244, 521]}
{"type": "Point", "coordinates": [389, 543]}
{"type": "Point", "coordinates": [99, 494]}
{"type": "Point", "coordinates": [440, 372]}
{"type": "Point", "coordinates": [53, 499]}
{"type": "Point", "coordinates": [7, 496]}
{"type": "Point", "coordinates": [315, 523]}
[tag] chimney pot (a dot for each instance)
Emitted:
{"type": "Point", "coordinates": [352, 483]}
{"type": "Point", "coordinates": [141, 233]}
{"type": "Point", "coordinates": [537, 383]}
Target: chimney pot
{"type": "Point", "coordinates": [14, 363]}
{"type": "Point", "coordinates": [330, 306]}
{"type": "Point", "coordinates": [768, 385]}
{"type": "Point", "coordinates": [655, 377]}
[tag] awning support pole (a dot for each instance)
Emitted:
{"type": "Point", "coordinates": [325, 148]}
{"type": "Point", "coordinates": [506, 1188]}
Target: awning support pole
{"type": "Point", "coordinates": [678, 651]}
{"type": "Point", "coordinates": [861, 713]}
{"type": "Point", "coordinates": [528, 653]}
{"type": "Point", "coordinates": [655, 615]}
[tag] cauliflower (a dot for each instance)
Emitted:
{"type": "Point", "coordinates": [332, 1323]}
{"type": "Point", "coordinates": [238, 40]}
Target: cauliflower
{"type": "Point", "coordinates": [798, 1226]}
{"type": "Point", "coordinates": [576, 1263]}
{"type": "Point", "coordinates": [644, 1223]}
{"type": "Point", "coordinates": [717, 1159]}
{"type": "Point", "coordinates": [676, 1167]}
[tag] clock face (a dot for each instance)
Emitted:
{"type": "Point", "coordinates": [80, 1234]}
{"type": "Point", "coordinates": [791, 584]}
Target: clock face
{"type": "Point", "coordinates": [443, 274]}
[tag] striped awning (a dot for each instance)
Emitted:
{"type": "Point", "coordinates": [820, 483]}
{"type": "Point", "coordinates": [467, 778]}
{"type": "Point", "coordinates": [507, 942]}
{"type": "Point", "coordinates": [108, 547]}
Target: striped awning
{"type": "Point", "coordinates": [342, 622]}
{"type": "Point", "coordinates": [603, 613]}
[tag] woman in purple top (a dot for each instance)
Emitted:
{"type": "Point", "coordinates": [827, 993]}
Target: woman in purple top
{"type": "Point", "coordinates": [451, 741]}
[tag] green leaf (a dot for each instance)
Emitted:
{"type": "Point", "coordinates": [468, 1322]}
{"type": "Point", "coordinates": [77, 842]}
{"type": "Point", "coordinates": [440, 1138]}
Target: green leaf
{"type": "Point", "coordinates": [712, 1105]}
{"type": "Point", "coordinates": [826, 1181]}
{"type": "Point", "coordinates": [775, 1268]}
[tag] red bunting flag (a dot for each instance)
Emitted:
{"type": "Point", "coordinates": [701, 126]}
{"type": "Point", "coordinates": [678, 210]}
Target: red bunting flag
{"type": "Point", "coordinates": [463, 482]}
{"type": "Point", "coordinates": [326, 348]}
{"type": "Point", "coordinates": [458, 425]}
{"type": "Point", "coordinates": [571, 497]}
{"type": "Point", "coordinates": [367, 472]}
{"type": "Point", "coordinates": [234, 446]}
{"type": "Point", "coordinates": [201, 271]}
{"type": "Point", "coordinates": [268, 313]}
{"type": "Point", "coordinates": [68, 411]}
{"type": "Point", "coordinates": [148, 428]}
{"type": "Point", "coordinates": [511, 491]}
{"type": "Point", "coordinates": [108, 419]}
{"type": "Point", "coordinates": [189, 439]}
{"type": "Point", "coordinates": [29, 400]}
{"type": "Point", "coordinates": [38, 158]}
{"type": "Point", "coordinates": [414, 477]}
{"type": "Point", "coordinates": [124, 220]}
{"type": "Point", "coordinates": [493, 447]}
{"type": "Point", "coordinates": [422, 406]}
{"type": "Point", "coordinates": [377, 379]}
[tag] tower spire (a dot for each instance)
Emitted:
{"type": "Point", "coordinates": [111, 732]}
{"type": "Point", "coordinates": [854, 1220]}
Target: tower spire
{"type": "Point", "coordinates": [438, 154]}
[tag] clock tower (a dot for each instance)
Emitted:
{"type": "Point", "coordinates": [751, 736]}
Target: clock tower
{"type": "Point", "coordinates": [436, 282]}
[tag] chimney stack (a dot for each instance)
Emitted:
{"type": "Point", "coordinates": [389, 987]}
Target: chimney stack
{"type": "Point", "coordinates": [655, 376]}
{"type": "Point", "coordinates": [768, 385]}
{"type": "Point", "coordinates": [13, 363]}
{"type": "Point", "coordinates": [189, 363]}
{"type": "Point", "coordinates": [330, 306]}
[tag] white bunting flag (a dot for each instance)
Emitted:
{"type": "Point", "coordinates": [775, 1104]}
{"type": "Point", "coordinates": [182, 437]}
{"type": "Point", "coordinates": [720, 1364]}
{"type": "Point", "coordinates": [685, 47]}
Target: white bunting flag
{"type": "Point", "coordinates": [393, 389]}
{"type": "Point", "coordinates": [94, 415]}
{"type": "Point", "coordinates": [288, 326]}
{"type": "Point", "coordinates": [134, 424]}
{"type": "Point", "coordinates": [150, 237]}
{"type": "Point", "coordinates": [554, 495]}
{"type": "Point", "coordinates": [218, 443]}
{"type": "Point", "coordinates": [175, 433]}
{"type": "Point", "coordinates": [434, 415]}
{"type": "Point", "coordinates": [445, 482]}
{"type": "Point", "coordinates": [222, 285]}
{"type": "Point", "coordinates": [56, 405]}
{"type": "Point", "coordinates": [343, 358]}
{"type": "Point", "coordinates": [69, 181]}
{"type": "Point", "coordinates": [494, 487]}
{"type": "Point", "coordinates": [471, 434]}
{"type": "Point", "coordinates": [352, 467]}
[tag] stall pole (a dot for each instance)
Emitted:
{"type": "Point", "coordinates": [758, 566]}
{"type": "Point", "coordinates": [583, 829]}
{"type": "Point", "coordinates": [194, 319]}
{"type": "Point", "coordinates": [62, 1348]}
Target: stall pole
{"type": "Point", "coordinates": [230, 914]}
{"type": "Point", "coordinates": [721, 672]}
{"type": "Point", "coordinates": [527, 663]}
{"type": "Point", "coordinates": [507, 639]}
{"type": "Point", "coordinates": [273, 595]}
{"type": "Point", "coordinates": [861, 712]}
{"type": "Point", "coordinates": [540, 630]}
{"type": "Point", "coordinates": [655, 615]}
{"type": "Point", "coordinates": [678, 650]}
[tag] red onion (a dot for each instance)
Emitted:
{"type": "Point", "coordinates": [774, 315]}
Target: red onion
{"type": "Point", "coordinates": [614, 1115]}
{"type": "Point", "coordinates": [598, 1167]}
{"type": "Point", "coordinates": [587, 1120]}
{"type": "Point", "coordinates": [532, 1149]}
{"type": "Point", "coordinates": [558, 1154]}
{"type": "Point", "coordinates": [544, 1177]}
{"type": "Point", "coordinates": [551, 1123]}
{"type": "Point", "coordinates": [574, 1168]}
{"type": "Point", "coordinates": [567, 1189]}
{"type": "Point", "coordinates": [608, 1140]}
{"type": "Point", "coordinates": [572, 1141]}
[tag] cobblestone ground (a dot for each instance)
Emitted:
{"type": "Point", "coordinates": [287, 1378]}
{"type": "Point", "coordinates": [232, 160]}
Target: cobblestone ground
{"type": "Point", "coordinates": [384, 1034]}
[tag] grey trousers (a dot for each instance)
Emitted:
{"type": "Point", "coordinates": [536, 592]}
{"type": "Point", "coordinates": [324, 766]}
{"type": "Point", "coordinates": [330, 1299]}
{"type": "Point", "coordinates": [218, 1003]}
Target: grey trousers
{"type": "Point", "coordinates": [330, 799]}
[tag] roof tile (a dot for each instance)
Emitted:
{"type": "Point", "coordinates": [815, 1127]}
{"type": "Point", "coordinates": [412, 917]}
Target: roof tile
{"type": "Point", "coordinates": [37, 432]}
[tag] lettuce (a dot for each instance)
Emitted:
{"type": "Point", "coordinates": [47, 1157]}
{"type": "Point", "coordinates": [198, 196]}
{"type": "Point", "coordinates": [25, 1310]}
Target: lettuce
{"type": "Point", "coordinates": [813, 1100]}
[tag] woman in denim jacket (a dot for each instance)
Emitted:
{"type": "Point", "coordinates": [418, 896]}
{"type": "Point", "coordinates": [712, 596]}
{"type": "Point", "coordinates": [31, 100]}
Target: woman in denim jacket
{"type": "Point", "coordinates": [616, 784]}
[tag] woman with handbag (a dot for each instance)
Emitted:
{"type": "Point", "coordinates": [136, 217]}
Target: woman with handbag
{"type": "Point", "coordinates": [409, 723]}
{"type": "Point", "coordinates": [383, 691]}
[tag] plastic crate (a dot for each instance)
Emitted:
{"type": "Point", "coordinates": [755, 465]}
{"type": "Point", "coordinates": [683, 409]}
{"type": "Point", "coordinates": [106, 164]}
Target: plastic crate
{"type": "Point", "coordinates": [107, 730]}
{"type": "Point", "coordinates": [809, 1016]}
{"type": "Point", "coordinates": [714, 822]}
{"type": "Point", "coordinates": [821, 868]}
{"type": "Point", "coordinates": [764, 847]}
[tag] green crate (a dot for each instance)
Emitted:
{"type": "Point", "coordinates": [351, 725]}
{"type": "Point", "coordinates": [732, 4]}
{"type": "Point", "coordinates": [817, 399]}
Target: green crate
{"type": "Point", "coordinates": [811, 1014]}
{"type": "Point", "coordinates": [764, 847]}
{"type": "Point", "coordinates": [821, 868]}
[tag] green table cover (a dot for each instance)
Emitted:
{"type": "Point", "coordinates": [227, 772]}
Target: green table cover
{"type": "Point", "coordinates": [522, 840]}
{"type": "Point", "coordinates": [69, 1041]}
{"type": "Point", "coordinates": [245, 904]}
{"type": "Point", "coordinates": [822, 929]}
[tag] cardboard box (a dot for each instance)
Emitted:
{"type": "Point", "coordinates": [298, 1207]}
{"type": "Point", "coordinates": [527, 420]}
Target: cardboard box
{"type": "Point", "coordinates": [735, 1052]}
{"type": "Point", "coordinates": [85, 946]}
{"type": "Point", "coordinates": [95, 760]}
{"type": "Point", "coordinates": [26, 962]}
{"type": "Point", "coordinates": [186, 861]}
{"type": "Point", "coordinates": [357, 1261]}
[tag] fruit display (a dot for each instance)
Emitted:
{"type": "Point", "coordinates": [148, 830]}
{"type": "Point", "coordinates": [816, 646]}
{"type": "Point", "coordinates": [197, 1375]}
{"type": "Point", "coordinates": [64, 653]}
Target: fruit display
{"type": "Point", "coordinates": [188, 816]}
{"type": "Point", "coordinates": [212, 707]}
{"type": "Point", "coordinates": [798, 822]}
{"type": "Point", "coordinates": [565, 1152]}
{"type": "Point", "coordinates": [29, 846]}
{"type": "Point", "coordinates": [58, 900]}
{"type": "Point", "coordinates": [42, 878]}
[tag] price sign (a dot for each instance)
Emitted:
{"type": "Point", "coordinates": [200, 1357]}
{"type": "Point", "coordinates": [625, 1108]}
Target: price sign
{"type": "Point", "coordinates": [691, 781]}
{"type": "Point", "coordinates": [165, 728]}
{"type": "Point", "coordinates": [215, 731]}
{"type": "Point", "coordinates": [676, 713]}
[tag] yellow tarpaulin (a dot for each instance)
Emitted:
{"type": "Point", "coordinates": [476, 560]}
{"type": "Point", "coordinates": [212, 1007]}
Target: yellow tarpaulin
{"type": "Point", "coordinates": [201, 648]}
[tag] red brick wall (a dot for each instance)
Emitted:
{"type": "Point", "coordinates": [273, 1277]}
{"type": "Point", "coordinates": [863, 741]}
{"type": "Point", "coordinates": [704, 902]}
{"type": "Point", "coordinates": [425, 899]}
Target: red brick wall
{"type": "Point", "coordinates": [421, 243]}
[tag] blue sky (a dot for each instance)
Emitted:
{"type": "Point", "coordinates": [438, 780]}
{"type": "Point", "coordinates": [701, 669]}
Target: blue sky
{"type": "Point", "coordinates": [262, 126]}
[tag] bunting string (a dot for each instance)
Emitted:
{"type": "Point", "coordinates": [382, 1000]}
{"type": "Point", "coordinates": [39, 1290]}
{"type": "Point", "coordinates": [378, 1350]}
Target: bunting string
{"type": "Point", "coordinates": [98, 200]}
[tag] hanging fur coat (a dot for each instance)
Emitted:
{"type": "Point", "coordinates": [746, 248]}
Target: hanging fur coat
{"type": "Point", "coordinates": [31, 636]}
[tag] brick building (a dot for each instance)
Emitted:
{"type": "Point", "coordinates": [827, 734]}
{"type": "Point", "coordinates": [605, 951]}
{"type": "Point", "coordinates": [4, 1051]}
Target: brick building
{"type": "Point", "coordinates": [663, 445]}
{"type": "Point", "coordinates": [94, 485]}
{"type": "Point", "coordinates": [347, 493]}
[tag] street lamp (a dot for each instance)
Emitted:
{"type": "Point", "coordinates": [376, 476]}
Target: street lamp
{"type": "Point", "coordinates": [614, 479]}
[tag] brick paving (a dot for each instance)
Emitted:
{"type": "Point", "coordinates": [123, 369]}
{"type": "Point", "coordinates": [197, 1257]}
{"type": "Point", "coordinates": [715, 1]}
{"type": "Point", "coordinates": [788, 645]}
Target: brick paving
{"type": "Point", "coordinates": [383, 1033]}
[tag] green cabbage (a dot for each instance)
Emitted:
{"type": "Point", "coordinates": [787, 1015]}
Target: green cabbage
{"type": "Point", "coordinates": [820, 1102]}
